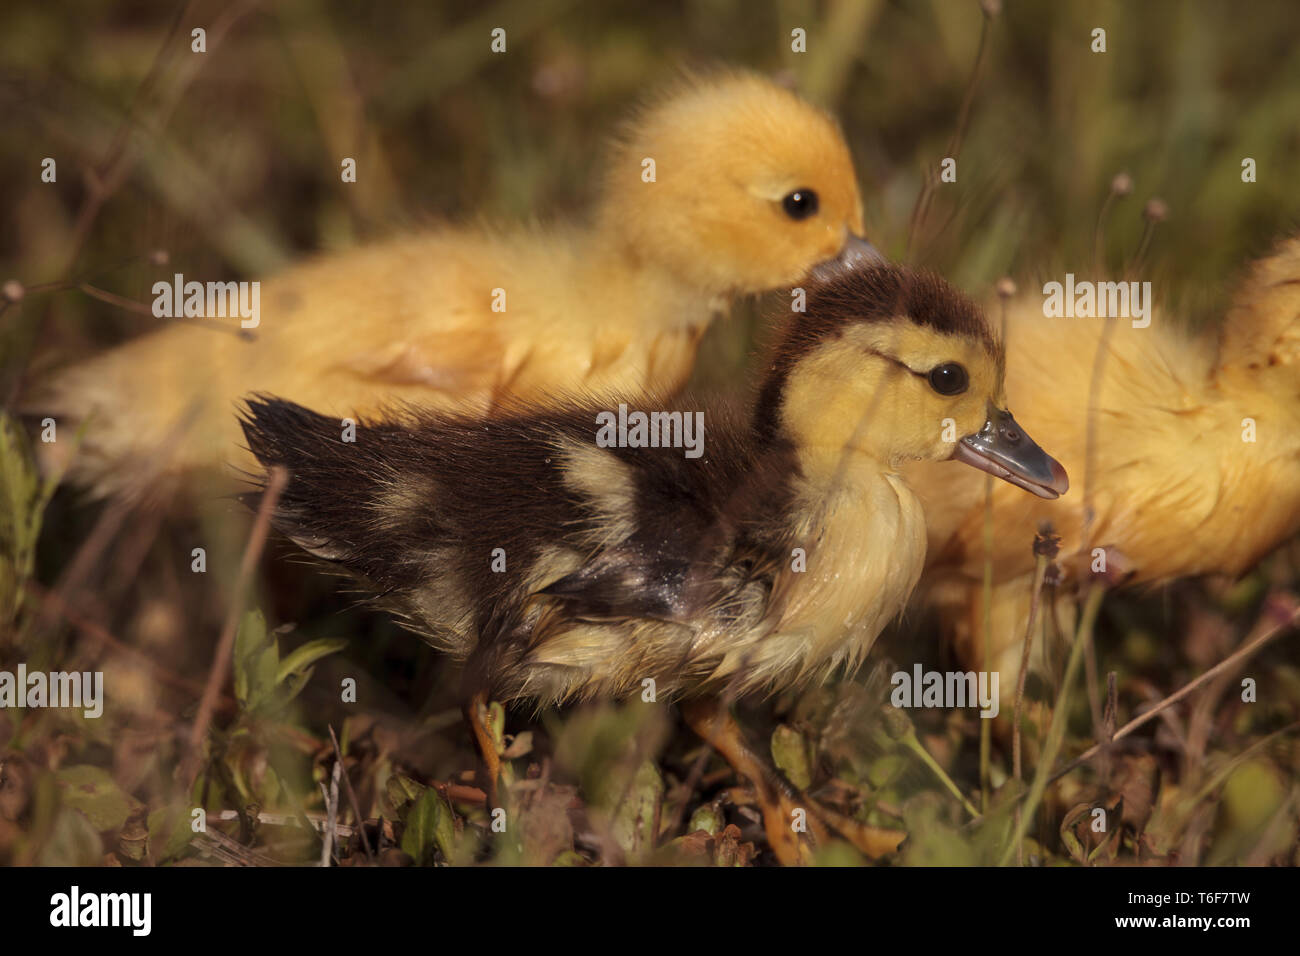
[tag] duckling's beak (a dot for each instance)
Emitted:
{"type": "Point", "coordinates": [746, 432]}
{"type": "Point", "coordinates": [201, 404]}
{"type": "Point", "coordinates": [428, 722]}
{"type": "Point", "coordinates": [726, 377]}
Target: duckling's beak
{"type": "Point", "coordinates": [855, 252]}
{"type": "Point", "coordinates": [1003, 449]}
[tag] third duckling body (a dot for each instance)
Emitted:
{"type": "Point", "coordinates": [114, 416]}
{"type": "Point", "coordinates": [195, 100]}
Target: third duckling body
{"type": "Point", "coordinates": [1196, 454]}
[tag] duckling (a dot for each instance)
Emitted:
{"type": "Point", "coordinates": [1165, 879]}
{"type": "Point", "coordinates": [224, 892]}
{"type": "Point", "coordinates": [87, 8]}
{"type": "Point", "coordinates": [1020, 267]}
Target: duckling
{"type": "Point", "coordinates": [1197, 460]}
{"type": "Point", "coordinates": [561, 562]}
{"type": "Point", "coordinates": [728, 185]}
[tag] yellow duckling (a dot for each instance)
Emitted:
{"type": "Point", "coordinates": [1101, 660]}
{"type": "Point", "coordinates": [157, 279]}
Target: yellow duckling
{"type": "Point", "coordinates": [1196, 466]}
{"type": "Point", "coordinates": [728, 185]}
{"type": "Point", "coordinates": [574, 553]}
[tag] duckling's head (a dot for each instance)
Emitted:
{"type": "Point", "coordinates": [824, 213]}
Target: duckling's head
{"type": "Point", "coordinates": [733, 184]}
{"type": "Point", "coordinates": [898, 365]}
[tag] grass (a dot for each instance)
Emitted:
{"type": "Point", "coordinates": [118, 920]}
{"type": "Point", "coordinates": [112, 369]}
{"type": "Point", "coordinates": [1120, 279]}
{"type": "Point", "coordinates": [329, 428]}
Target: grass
{"type": "Point", "coordinates": [227, 162]}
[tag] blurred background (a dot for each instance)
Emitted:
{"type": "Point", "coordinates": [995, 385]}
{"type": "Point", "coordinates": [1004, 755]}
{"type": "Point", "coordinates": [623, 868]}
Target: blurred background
{"type": "Point", "coordinates": [226, 164]}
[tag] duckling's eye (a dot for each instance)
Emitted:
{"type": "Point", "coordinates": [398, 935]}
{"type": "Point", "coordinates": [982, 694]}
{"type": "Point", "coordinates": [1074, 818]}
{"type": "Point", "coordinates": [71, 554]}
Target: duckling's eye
{"type": "Point", "coordinates": [800, 204]}
{"type": "Point", "coordinates": [949, 379]}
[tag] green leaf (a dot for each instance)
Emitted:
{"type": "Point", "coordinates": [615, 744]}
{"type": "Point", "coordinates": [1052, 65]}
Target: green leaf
{"type": "Point", "coordinates": [24, 496]}
{"type": "Point", "coordinates": [293, 687]}
{"type": "Point", "coordinates": [250, 639]}
{"type": "Point", "coordinates": [265, 666]}
{"type": "Point", "coordinates": [402, 790]}
{"type": "Point", "coordinates": [300, 660]}
{"type": "Point", "coordinates": [1246, 821]}
{"type": "Point", "coordinates": [707, 818]}
{"type": "Point", "coordinates": [429, 827]}
{"type": "Point", "coordinates": [633, 822]}
{"type": "Point", "coordinates": [73, 841]}
{"type": "Point", "coordinates": [790, 753]}
{"type": "Point", "coordinates": [169, 832]}
{"type": "Point", "coordinates": [94, 792]}
{"type": "Point", "coordinates": [257, 662]}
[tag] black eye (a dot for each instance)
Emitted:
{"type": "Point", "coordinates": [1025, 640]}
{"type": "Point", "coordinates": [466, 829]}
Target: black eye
{"type": "Point", "coordinates": [949, 379]}
{"type": "Point", "coordinates": [800, 204]}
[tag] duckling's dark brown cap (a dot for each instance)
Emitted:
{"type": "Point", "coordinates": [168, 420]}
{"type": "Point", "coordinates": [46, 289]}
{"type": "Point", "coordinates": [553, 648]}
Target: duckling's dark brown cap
{"type": "Point", "coordinates": [881, 291]}
{"type": "Point", "coordinates": [873, 292]}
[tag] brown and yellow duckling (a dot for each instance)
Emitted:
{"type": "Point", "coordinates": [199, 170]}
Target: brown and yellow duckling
{"type": "Point", "coordinates": [768, 555]}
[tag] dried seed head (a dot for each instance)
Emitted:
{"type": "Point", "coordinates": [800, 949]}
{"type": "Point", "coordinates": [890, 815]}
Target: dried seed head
{"type": "Point", "coordinates": [895, 722]}
{"type": "Point", "coordinates": [1281, 607]}
{"type": "Point", "coordinates": [1155, 210]}
{"type": "Point", "coordinates": [1047, 544]}
{"type": "Point", "coordinates": [13, 290]}
{"type": "Point", "coordinates": [159, 257]}
{"type": "Point", "coordinates": [1122, 184]}
{"type": "Point", "coordinates": [1006, 287]}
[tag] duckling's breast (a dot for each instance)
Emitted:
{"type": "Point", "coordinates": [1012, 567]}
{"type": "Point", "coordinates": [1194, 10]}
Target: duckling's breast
{"type": "Point", "coordinates": [863, 548]}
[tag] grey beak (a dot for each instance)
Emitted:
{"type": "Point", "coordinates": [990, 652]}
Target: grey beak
{"type": "Point", "coordinates": [856, 253]}
{"type": "Point", "coordinates": [1003, 449]}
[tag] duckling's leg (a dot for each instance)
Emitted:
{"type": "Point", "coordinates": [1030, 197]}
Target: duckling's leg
{"type": "Point", "coordinates": [478, 715]}
{"type": "Point", "coordinates": [777, 797]}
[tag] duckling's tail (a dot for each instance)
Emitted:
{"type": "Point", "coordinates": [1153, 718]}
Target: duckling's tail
{"type": "Point", "coordinates": [316, 509]}
{"type": "Point", "coordinates": [354, 495]}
